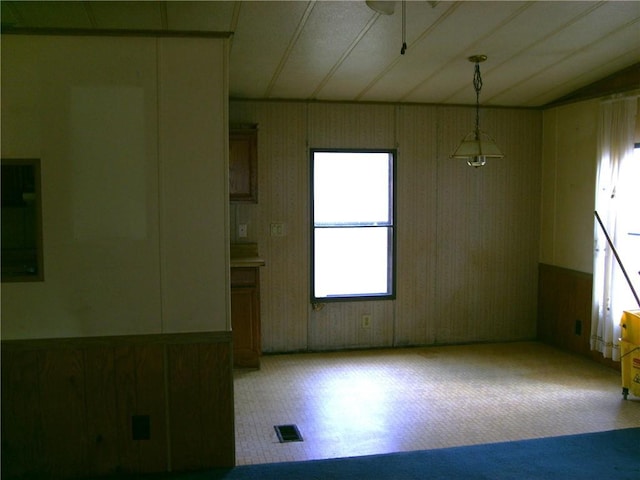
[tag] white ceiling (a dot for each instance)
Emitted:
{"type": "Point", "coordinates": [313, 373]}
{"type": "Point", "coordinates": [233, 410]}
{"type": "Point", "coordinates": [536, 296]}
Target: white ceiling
{"type": "Point", "coordinates": [538, 51]}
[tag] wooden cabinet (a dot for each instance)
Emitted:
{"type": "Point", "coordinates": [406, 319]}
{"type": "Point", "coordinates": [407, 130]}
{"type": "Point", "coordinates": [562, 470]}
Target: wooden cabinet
{"type": "Point", "coordinates": [243, 165]}
{"type": "Point", "coordinates": [245, 316]}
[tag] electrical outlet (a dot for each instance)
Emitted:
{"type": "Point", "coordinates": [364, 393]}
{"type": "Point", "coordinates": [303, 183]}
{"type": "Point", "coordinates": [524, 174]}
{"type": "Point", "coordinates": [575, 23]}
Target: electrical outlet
{"type": "Point", "coordinates": [140, 427]}
{"type": "Point", "coordinates": [366, 321]}
{"type": "Point", "coordinates": [277, 230]}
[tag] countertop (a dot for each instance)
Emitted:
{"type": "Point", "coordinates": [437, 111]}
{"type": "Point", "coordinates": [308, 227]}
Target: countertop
{"type": "Point", "coordinates": [245, 255]}
{"type": "Point", "coordinates": [238, 262]}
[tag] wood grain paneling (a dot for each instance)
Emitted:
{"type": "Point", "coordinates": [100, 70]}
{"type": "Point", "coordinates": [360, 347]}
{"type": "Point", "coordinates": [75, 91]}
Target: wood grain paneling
{"type": "Point", "coordinates": [467, 238]}
{"type": "Point", "coordinates": [217, 412]}
{"type": "Point", "coordinates": [149, 368]}
{"type": "Point", "coordinates": [64, 421]}
{"type": "Point", "coordinates": [197, 419]}
{"type": "Point", "coordinates": [283, 178]}
{"type": "Point", "coordinates": [487, 228]}
{"type": "Point", "coordinates": [102, 429]}
{"type": "Point", "coordinates": [139, 390]}
{"type": "Point", "coordinates": [339, 325]}
{"type": "Point", "coordinates": [334, 125]}
{"type": "Point", "coordinates": [22, 443]}
{"type": "Point", "coordinates": [186, 428]}
{"type": "Point", "coordinates": [417, 196]}
{"type": "Point", "coordinates": [67, 404]}
{"type": "Point", "coordinates": [125, 393]}
{"type": "Point", "coordinates": [564, 311]}
{"type": "Point", "coordinates": [345, 125]}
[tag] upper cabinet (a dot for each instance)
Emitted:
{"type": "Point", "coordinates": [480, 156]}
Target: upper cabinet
{"type": "Point", "coordinates": [243, 164]}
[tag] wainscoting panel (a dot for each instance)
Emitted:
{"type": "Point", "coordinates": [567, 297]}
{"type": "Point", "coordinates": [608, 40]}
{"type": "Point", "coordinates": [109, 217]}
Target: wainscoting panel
{"type": "Point", "coordinates": [104, 430]}
{"type": "Point", "coordinates": [61, 384]}
{"type": "Point", "coordinates": [140, 373]}
{"type": "Point", "coordinates": [22, 443]}
{"type": "Point", "coordinates": [564, 309]}
{"type": "Point", "coordinates": [194, 377]}
{"type": "Point", "coordinates": [99, 406]}
{"type": "Point", "coordinates": [217, 409]}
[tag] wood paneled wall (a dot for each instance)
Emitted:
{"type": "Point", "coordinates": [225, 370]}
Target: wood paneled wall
{"type": "Point", "coordinates": [468, 239]}
{"type": "Point", "coordinates": [67, 404]}
{"type": "Point", "coordinates": [564, 311]}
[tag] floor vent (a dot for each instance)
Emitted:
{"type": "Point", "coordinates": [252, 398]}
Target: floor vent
{"type": "Point", "coordinates": [288, 433]}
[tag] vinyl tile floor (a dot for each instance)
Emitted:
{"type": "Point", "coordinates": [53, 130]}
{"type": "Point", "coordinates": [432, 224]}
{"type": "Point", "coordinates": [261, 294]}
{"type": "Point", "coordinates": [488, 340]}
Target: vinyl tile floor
{"type": "Point", "coordinates": [355, 403]}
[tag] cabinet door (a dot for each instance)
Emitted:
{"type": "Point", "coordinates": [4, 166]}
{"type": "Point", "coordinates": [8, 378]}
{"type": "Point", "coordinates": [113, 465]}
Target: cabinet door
{"type": "Point", "coordinates": [243, 166]}
{"type": "Point", "coordinates": [246, 327]}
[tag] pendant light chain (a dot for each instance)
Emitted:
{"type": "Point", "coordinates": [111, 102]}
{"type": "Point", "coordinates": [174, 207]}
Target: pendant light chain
{"type": "Point", "coordinates": [404, 28]}
{"type": "Point", "coordinates": [477, 84]}
{"type": "Point", "coordinates": [477, 146]}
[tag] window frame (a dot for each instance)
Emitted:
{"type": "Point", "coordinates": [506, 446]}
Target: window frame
{"type": "Point", "coordinates": [392, 251]}
{"type": "Point", "coordinates": [38, 276]}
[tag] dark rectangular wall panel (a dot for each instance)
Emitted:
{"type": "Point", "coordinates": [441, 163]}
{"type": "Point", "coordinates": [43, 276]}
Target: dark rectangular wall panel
{"type": "Point", "coordinates": [564, 301]}
{"type": "Point", "coordinates": [68, 404]}
{"type": "Point", "coordinates": [22, 443]}
{"type": "Point", "coordinates": [102, 429]}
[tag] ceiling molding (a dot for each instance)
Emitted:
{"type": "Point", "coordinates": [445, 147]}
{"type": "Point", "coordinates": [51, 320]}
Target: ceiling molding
{"type": "Point", "coordinates": [626, 80]}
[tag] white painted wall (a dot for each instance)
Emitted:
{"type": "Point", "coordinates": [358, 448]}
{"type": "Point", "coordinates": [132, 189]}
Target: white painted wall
{"type": "Point", "coordinates": [132, 142]}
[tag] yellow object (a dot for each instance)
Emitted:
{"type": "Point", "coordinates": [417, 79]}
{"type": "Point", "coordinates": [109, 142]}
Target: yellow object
{"type": "Point", "coordinates": [630, 324]}
{"type": "Point", "coordinates": [630, 352]}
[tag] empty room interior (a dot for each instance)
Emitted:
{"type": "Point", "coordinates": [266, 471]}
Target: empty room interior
{"type": "Point", "coordinates": [238, 232]}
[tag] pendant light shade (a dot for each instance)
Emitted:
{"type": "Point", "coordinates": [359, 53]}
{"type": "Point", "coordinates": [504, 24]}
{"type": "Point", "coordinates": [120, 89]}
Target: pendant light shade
{"type": "Point", "coordinates": [477, 146]}
{"type": "Point", "coordinates": [381, 6]}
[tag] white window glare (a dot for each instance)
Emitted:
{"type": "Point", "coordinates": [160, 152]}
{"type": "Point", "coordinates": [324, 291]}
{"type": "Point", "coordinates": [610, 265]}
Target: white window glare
{"type": "Point", "coordinates": [351, 188]}
{"type": "Point", "coordinates": [351, 261]}
{"type": "Point", "coordinates": [628, 220]}
{"type": "Point", "coordinates": [353, 229]}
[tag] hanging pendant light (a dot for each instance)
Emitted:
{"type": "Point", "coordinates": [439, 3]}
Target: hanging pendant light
{"type": "Point", "coordinates": [380, 6]}
{"type": "Point", "coordinates": [477, 146]}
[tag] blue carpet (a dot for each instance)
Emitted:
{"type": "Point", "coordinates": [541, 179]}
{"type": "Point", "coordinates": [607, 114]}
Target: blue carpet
{"type": "Point", "coordinates": [604, 455]}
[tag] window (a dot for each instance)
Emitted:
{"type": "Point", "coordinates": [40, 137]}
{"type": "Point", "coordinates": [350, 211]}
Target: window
{"type": "Point", "coordinates": [628, 240]}
{"type": "Point", "coordinates": [21, 221]}
{"type": "Point", "coordinates": [353, 229]}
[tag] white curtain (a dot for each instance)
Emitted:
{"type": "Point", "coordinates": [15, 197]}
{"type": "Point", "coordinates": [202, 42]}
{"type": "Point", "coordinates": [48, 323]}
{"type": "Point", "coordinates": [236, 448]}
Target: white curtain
{"type": "Point", "coordinates": [615, 145]}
